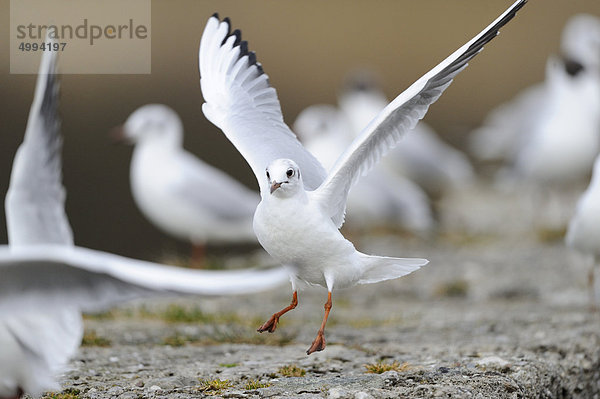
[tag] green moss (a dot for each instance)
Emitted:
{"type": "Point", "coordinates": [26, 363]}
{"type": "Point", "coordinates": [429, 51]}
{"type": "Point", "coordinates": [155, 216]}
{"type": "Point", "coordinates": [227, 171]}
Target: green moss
{"type": "Point", "coordinates": [214, 385]}
{"type": "Point", "coordinates": [90, 338]}
{"type": "Point", "coordinates": [382, 367]}
{"type": "Point", "coordinates": [256, 384]}
{"type": "Point", "coordinates": [292, 371]}
{"type": "Point", "coordinates": [69, 393]}
{"type": "Point", "coordinates": [180, 314]}
{"type": "Point", "coordinates": [177, 340]}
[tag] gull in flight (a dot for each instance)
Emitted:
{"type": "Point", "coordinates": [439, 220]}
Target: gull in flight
{"type": "Point", "coordinates": [583, 233]}
{"type": "Point", "coordinates": [46, 281]}
{"type": "Point", "coordinates": [179, 193]}
{"type": "Point", "coordinates": [302, 205]}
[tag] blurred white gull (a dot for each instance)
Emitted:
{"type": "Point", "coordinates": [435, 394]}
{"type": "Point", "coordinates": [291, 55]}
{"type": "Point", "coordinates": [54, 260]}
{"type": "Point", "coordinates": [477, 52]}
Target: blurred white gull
{"type": "Point", "coordinates": [382, 199]}
{"type": "Point", "coordinates": [46, 281]}
{"type": "Point", "coordinates": [564, 140]}
{"type": "Point", "coordinates": [302, 205]}
{"type": "Point", "coordinates": [180, 194]}
{"type": "Point", "coordinates": [421, 156]}
{"type": "Point", "coordinates": [550, 132]}
{"type": "Point", "coordinates": [583, 233]}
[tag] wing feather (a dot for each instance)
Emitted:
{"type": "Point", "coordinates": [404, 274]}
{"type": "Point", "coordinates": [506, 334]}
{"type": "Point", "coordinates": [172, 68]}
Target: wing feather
{"type": "Point", "coordinates": [60, 276]}
{"type": "Point", "coordinates": [35, 199]}
{"type": "Point", "coordinates": [400, 116]}
{"type": "Point", "coordinates": [240, 101]}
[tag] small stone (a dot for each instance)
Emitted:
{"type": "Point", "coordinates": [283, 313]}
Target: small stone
{"type": "Point", "coordinates": [115, 391]}
{"type": "Point", "coordinates": [336, 393]}
{"type": "Point", "coordinates": [362, 395]}
{"type": "Point", "coordinates": [390, 377]}
{"type": "Point", "coordinates": [494, 362]}
{"type": "Point", "coordinates": [140, 384]}
{"type": "Point", "coordinates": [155, 388]}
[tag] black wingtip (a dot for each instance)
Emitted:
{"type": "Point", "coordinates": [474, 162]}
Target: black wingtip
{"type": "Point", "coordinates": [243, 45]}
{"type": "Point", "coordinates": [251, 58]}
{"type": "Point", "coordinates": [243, 48]}
{"type": "Point", "coordinates": [215, 15]}
{"type": "Point", "coordinates": [238, 37]}
{"type": "Point", "coordinates": [477, 46]}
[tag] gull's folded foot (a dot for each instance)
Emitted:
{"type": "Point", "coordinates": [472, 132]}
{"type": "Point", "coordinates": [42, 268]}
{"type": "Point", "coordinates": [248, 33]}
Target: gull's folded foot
{"type": "Point", "coordinates": [318, 344]}
{"type": "Point", "coordinates": [270, 325]}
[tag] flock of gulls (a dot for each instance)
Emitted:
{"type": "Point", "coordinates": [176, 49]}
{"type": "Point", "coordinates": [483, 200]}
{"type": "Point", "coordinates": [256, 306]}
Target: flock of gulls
{"type": "Point", "coordinates": [306, 191]}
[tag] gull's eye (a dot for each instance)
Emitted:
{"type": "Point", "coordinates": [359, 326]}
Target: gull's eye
{"type": "Point", "coordinates": [290, 172]}
{"type": "Point", "coordinates": [268, 176]}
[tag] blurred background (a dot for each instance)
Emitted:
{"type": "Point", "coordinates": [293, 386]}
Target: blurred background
{"type": "Point", "coordinates": [306, 48]}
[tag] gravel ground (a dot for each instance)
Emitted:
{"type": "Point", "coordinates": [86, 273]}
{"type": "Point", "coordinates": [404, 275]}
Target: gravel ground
{"type": "Point", "coordinates": [498, 313]}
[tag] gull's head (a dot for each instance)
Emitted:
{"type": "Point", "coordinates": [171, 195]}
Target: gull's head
{"type": "Point", "coordinates": [153, 122]}
{"type": "Point", "coordinates": [283, 176]}
{"type": "Point", "coordinates": [580, 41]}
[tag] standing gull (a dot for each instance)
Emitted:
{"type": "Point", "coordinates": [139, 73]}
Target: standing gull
{"type": "Point", "coordinates": [551, 131]}
{"type": "Point", "coordinates": [583, 233]}
{"type": "Point", "coordinates": [179, 193]}
{"type": "Point", "coordinates": [46, 281]}
{"type": "Point", "coordinates": [303, 206]}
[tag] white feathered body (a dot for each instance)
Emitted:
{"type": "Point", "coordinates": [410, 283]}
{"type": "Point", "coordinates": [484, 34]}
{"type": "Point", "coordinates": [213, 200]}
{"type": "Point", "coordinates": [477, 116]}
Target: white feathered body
{"type": "Point", "coordinates": [583, 233]}
{"type": "Point", "coordinates": [566, 138]}
{"type": "Point", "coordinates": [287, 227]}
{"type": "Point", "coordinates": [299, 234]}
{"type": "Point", "coordinates": [164, 182]}
{"type": "Point", "coordinates": [36, 354]}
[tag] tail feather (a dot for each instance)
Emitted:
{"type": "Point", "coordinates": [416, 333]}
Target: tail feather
{"type": "Point", "coordinates": [381, 268]}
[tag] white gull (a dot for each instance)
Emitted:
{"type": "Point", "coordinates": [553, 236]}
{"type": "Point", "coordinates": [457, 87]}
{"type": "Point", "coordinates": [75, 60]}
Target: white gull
{"type": "Point", "coordinates": [179, 193]}
{"type": "Point", "coordinates": [303, 206]}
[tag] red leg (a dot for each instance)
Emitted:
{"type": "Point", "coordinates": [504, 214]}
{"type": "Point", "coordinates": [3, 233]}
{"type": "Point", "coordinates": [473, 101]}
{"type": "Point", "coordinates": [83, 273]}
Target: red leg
{"type": "Point", "coordinates": [319, 342]}
{"type": "Point", "coordinates": [271, 324]}
{"type": "Point", "coordinates": [198, 256]}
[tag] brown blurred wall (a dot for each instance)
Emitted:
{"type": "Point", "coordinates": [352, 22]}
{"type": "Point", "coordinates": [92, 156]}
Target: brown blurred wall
{"type": "Point", "coordinates": [306, 47]}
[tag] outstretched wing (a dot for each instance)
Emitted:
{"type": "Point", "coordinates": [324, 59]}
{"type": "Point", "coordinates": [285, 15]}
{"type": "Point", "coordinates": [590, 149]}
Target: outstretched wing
{"type": "Point", "coordinates": [34, 204]}
{"type": "Point", "coordinates": [58, 276]}
{"type": "Point", "coordinates": [401, 115]}
{"type": "Point", "coordinates": [240, 101]}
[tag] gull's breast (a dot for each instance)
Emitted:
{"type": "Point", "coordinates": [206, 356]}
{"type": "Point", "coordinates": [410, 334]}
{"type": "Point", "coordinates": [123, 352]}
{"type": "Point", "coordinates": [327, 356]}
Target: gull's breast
{"type": "Point", "coordinates": [299, 234]}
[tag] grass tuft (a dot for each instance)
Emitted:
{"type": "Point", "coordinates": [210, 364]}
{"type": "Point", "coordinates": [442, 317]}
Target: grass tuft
{"type": "Point", "coordinates": [177, 340]}
{"type": "Point", "coordinates": [292, 371]}
{"type": "Point", "coordinates": [179, 314]}
{"type": "Point", "coordinates": [90, 338]}
{"type": "Point", "coordinates": [69, 393]}
{"type": "Point", "coordinates": [382, 367]}
{"type": "Point", "coordinates": [256, 384]}
{"type": "Point", "coordinates": [214, 385]}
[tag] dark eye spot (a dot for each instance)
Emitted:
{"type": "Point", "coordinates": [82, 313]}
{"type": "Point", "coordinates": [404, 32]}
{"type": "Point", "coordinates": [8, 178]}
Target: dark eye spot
{"type": "Point", "coordinates": [290, 172]}
{"type": "Point", "coordinates": [268, 176]}
{"type": "Point", "coordinates": [573, 68]}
